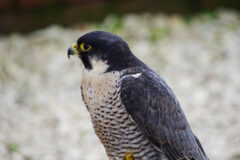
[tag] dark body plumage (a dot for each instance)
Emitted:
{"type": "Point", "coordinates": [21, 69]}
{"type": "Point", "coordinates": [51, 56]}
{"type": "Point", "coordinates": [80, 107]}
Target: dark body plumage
{"type": "Point", "coordinates": [132, 108]}
{"type": "Point", "coordinates": [155, 109]}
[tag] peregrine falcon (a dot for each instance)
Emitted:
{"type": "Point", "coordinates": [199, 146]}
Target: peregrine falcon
{"type": "Point", "coordinates": [134, 112]}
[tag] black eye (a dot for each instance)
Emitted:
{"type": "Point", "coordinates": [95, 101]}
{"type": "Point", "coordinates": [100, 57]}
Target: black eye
{"type": "Point", "coordinates": [85, 47]}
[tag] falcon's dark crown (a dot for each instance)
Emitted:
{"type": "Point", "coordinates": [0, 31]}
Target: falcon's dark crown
{"type": "Point", "coordinates": [107, 47]}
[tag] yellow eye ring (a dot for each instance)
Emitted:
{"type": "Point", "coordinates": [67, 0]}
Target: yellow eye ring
{"type": "Point", "coordinates": [85, 47]}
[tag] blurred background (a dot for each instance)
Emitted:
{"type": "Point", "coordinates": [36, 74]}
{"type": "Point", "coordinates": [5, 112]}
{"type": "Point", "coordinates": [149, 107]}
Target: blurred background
{"type": "Point", "coordinates": [193, 45]}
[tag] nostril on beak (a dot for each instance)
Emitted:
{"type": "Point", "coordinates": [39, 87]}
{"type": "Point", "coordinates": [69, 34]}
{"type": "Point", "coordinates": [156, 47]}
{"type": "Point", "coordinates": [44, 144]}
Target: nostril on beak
{"type": "Point", "coordinates": [75, 46]}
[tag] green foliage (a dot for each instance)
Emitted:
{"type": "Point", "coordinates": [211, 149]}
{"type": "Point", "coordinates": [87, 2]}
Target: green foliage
{"type": "Point", "coordinates": [158, 33]}
{"type": "Point", "coordinates": [208, 15]}
{"type": "Point", "coordinates": [13, 147]}
{"type": "Point", "coordinates": [112, 24]}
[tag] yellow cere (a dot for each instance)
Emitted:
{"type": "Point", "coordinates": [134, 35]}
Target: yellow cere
{"type": "Point", "coordinates": [85, 47]}
{"type": "Point", "coordinates": [129, 156]}
{"type": "Point", "coordinates": [75, 49]}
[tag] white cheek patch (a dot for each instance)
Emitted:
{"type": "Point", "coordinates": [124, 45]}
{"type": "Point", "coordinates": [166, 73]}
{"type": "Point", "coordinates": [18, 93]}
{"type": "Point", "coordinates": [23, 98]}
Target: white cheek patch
{"type": "Point", "coordinates": [98, 67]}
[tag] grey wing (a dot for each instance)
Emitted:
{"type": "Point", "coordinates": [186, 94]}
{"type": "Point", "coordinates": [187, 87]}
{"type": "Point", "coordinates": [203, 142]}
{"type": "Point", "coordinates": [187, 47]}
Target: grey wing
{"type": "Point", "coordinates": [156, 111]}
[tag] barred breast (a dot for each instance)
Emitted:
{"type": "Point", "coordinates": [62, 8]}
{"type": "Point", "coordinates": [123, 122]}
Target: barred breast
{"type": "Point", "coordinates": [113, 125]}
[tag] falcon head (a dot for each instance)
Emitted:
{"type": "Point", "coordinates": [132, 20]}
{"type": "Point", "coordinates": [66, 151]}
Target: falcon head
{"type": "Point", "coordinates": [103, 51]}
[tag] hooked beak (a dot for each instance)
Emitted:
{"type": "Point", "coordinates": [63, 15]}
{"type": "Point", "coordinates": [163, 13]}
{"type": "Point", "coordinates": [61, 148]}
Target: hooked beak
{"type": "Point", "coordinates": [72, 50]}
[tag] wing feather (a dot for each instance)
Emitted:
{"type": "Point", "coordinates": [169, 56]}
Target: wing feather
{"type": "Point", "coordinates": [156, 111]}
